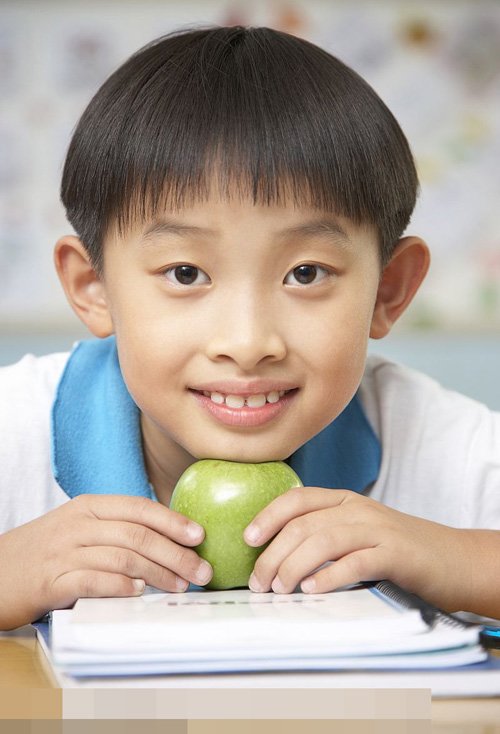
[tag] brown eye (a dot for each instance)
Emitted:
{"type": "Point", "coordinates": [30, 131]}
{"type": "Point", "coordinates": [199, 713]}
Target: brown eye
{"type": "Point", "coordinates": [308, 274]}
{"type": "Point", "coordinates": [305, 274]}
{"type": "Point", "coordinates": [186, 274]}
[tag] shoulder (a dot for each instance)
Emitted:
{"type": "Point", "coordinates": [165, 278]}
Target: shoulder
{"type": "Point", "coordinates": [27, 389]}
{"type": "Point", "coordinates": [35, 374]}
{"type": "Point", "coordinates": [390, 390]}
{"type": "Point", "coordinates": [440, 449]}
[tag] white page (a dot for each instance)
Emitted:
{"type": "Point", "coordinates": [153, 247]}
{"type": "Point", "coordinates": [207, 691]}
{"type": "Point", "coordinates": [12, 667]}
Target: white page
{"type": "Point", "coordinates": [210, 623]}
{"type": "Point", "coordinates": [199, 629]}
{"type": "Point", "coordinates": [441, 645]}
{"type": "Point", "coordinates": [348, 673]}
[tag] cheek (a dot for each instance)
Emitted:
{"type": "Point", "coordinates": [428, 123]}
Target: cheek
{"type": "Point", "coordinates": [338, 332]}
{"type": "Point", "coordinates": [154, 347]}
{"type": "Point", "coordinates": [336, 357]}
{"type": "Point", "coordinates": [339, 369]}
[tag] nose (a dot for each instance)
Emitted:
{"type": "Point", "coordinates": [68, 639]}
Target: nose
{"type": "Point", "coordinates": [247, 331]}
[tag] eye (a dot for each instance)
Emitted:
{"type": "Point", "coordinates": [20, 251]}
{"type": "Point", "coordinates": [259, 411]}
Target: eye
{"type": "Point", "coordinates": [306, 274]}
{"type": "Point", "coordinates": [186, 275]}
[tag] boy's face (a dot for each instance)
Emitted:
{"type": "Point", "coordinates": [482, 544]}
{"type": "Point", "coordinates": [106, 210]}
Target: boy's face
{"type": "Point", "coordinates": [269, 305]}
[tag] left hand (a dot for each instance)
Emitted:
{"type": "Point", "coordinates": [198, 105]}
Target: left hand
{"type": "Point", "coordinates": [367, 541]}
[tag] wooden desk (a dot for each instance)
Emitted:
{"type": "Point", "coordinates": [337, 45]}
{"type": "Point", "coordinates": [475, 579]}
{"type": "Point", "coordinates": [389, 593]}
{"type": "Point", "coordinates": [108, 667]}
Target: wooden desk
{"type": "Point", "coordinates": [28, 690]}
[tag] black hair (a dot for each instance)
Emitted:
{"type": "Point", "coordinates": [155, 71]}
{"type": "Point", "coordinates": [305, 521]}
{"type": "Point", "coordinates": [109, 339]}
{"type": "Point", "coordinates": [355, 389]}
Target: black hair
{"type": "Point", "coordinates": [270, 115]}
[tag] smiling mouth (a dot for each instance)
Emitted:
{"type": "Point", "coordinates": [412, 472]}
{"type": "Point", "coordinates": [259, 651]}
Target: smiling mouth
{"type": "Point", "coordinates": [245, 401]}
{"type": "Point", "coordinates": [245, 410]}
{"type": "Point", "coordinates": [254, 401]}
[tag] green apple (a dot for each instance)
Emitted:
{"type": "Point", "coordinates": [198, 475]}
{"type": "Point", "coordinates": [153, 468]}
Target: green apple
{"type": "Point", "coordinates": [224, 497]}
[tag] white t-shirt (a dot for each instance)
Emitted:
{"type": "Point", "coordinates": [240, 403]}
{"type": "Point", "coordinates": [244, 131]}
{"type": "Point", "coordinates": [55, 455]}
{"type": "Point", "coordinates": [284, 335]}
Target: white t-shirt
{"type": "Point", "coordinates": [440, 450]}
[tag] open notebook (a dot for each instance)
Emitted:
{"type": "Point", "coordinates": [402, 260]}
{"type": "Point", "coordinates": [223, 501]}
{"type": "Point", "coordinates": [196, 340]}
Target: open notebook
{"type": "Point", "coordinates": [373, 627]}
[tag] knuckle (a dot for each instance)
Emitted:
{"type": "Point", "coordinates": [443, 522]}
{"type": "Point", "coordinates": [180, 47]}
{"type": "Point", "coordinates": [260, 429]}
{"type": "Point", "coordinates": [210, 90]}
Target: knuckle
{"type": "Point", "coordinates": [140, 538]}
{"type": "Point", "coordinates": [360, 566]}
{"type": "Point", "coordinates": [294, 496]}
{"type": "Point", "coordinates": [165, 579]}
{"type": "Point", "coordinates": [262, 566]}
{"type": "Point", "coordinates": [86, 504]}
{"type": "Point", "coordinates": [348, 495]}
{"type": "Point", "coordinates": [124, 562]}
{"type": "Point", "coordinates": [143, 507]}
{"type": "Point", "coordinates": [87, 585]}
{"type": "Point", "coordinates": [183, 558]}
{"type": "Point", "coordinates": [323, 544]}
{"type": "Point", "coordinates": [356, 566]}
{"type": "Point", "coordinates": [295, 528]}
{"type": "Point", "coordinates": [81, 502]}
{"type": "Point", "coordinates": [287, 572]}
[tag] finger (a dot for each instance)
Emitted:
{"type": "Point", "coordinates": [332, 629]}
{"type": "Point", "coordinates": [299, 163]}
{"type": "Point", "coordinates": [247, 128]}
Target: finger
{"type": "Point", "coordinates": [288, 540]}
{"type": "Point", "coordinates": [84, 583]}
{"type": "Point", "coordinates": [320, 548]}
{"type": "Point", "coordinates": [368, 564]}
{"type": "Point", "coordinates": [143, 511]}
{"type": "Point", "coordinates": [152, 546]}
{"type": "Point", "coordinates": [128, 563]}
{"type": "Point", "coordinates": [297, 501]}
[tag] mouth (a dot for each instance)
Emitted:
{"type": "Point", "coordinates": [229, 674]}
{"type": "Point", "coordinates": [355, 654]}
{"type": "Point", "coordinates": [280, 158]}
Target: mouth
{"type": "Point", "coordinates": [243, 409]}
{"type": "Point", "coordinates": [253, 401]}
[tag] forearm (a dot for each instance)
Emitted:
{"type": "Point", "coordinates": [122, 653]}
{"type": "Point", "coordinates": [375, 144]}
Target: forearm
{"type": "Point", "coordinates": [14, 614]}
{"type": "Point", "coordinates": [19, 601]}
{"type": "Point", "coordinates": [478, 572]}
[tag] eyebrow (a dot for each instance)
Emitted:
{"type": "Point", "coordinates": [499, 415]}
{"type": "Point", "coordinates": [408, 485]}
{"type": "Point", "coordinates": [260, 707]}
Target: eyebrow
{"type": "Point", "coordinates": [326, 227]}
{"type": "Point", "coordinates": [167, 226]}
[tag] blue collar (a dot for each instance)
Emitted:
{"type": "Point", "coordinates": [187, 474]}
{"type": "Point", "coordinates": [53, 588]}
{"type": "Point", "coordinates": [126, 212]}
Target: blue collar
{"type": "Point", "coordinates": [97, 444]}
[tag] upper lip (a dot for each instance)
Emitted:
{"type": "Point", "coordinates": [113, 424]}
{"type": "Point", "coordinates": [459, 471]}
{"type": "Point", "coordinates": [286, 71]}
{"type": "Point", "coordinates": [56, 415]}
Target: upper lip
{"type": "Point", "coordinates": [244, 388]}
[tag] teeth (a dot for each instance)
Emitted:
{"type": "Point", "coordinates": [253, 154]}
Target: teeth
{"type": "Point", "coordinates": [238, 401]}
{"type": "Point", "coordinates": [216, 397]}
{"type": "Point", "coordinates": [234, 401]}
{"type": "Point", "coordinates": [256, 401]}
{"type": "Point", "coordinates": [273, 397]}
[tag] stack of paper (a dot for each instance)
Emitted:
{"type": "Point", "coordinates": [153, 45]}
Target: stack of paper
{"type": "Point", "coordinates": [237, 631]}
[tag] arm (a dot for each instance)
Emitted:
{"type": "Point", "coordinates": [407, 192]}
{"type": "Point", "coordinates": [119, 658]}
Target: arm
{"type": "Point", "coordinates": [95, 545]}
{"type": "Point", "coordinates": [455, 569]}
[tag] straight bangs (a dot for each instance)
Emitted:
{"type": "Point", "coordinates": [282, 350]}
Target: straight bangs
{"type": "Point", "coordinates": [255, 113]}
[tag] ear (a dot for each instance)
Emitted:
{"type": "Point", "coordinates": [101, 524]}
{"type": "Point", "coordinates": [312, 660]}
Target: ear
{"type": "Point", "coordinates": [401, 278]}
{"type": "Point", "coordinates": [84, 288]}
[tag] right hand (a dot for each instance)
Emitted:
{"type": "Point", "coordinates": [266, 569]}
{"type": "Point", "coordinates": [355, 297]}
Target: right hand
{"type": "Point", "coordinates": [96, 546]}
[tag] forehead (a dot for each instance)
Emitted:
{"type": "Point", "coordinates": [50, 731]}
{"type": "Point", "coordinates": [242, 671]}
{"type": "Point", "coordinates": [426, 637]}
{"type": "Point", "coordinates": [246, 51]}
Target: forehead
{"type": "Point", "coordinates": [208, 215]}
{"type": "Point", "coordinates": [224, 193]}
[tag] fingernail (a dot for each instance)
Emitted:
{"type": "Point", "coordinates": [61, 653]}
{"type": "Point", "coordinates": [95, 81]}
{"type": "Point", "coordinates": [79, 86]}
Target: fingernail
{"type": "Point", "coordinates": [252, 533]}
{"type": "Point", "coordinates": [254, 584]}
{"type": "Point", "coordinates": [278, 586]}
{"type": "Point", "coordinates": [308, 585]}
{"type": "Point", "coordinates": [181, 584]}
{"type": "Point", "coordinates": [195, 531]}
{"type": "Point", "coordinates": [139, 585]}
{"type": "Point", "coordinates": [204, 573]}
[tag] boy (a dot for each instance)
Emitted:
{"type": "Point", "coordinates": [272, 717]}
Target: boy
{"type": "Point", "coordinates": [239, 197]}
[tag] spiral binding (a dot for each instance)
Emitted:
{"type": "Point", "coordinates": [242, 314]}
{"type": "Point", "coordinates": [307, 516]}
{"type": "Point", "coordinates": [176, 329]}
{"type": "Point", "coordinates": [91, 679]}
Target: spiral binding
{"type": "Point", "coordinates": [430, 614]}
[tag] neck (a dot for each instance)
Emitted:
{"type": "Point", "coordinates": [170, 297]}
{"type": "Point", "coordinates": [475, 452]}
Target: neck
{"type": "Point", "coordinates": [164, 460]}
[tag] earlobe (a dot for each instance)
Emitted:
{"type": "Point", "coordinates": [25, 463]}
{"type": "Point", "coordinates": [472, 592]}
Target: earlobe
{"type": "Point", "coordinates": [83, 287]}
{"type": "Point", "coordinates": [400, 280]}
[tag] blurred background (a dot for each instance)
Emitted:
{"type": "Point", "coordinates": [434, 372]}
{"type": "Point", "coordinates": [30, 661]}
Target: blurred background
{"type": "Point", "coordinates": [435, 63]}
